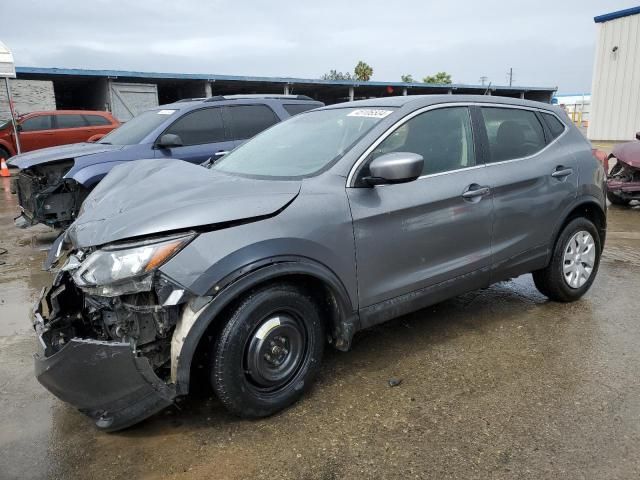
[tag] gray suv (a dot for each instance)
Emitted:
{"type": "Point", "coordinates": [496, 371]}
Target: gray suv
{"type": "Point", "coordinates": [325, 224]}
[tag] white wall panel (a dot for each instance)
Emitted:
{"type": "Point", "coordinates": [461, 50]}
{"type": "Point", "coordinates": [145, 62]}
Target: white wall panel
{"type": "Point", "coordinates": [615, 93]}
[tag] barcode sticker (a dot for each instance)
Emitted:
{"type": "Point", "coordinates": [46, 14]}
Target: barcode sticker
{"type": "Point", "coordinates": [370, 112]}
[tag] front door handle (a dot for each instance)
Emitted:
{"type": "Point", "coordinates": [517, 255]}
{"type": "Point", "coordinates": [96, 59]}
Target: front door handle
{"type": "Point", "coordinates": [561, 172]}
{"type": "Point", "coordinates": [474, 191]}
{"type": "Point", "coordinates": [221, 153]}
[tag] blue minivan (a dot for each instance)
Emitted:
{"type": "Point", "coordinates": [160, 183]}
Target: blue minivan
{"type": "Point", "coordinates": [53, 182]}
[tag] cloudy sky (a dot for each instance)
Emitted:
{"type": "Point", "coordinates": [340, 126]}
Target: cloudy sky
{"type": "Point", "coordinates": [547, 43]}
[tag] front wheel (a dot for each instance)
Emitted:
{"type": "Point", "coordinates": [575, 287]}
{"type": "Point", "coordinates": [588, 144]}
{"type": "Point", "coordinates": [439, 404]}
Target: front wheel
{"type": "Point", "coordinates": [574, 263]}
{"type": "Point", "coordinates": [616, 200]}
{"type": "Point", "coordinates": [268, 351]}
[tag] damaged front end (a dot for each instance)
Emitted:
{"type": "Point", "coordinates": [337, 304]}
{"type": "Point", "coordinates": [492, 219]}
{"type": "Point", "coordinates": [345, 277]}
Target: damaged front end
{"type": "Point", "coordinates": [105, 328]}
{"type": "Point", "coordinates": [45, 196]}
{"type": "Point", "coordinates": [623, 182]}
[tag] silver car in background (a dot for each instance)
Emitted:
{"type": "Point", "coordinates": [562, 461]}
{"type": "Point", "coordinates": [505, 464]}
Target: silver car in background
{"type": "Point", "coordinates": [328, 223]}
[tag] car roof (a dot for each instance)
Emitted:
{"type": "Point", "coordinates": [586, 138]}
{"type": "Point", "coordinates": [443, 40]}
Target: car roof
{"type": "Point", "coordinates": [266, 98]}
{"type": "Point", "coordinates": [418, 101]}
{"type": "Point", "coordinates": [66, 112]}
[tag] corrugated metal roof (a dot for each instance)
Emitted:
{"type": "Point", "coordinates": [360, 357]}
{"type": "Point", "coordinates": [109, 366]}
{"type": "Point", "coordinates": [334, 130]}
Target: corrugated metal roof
{"type": "Point", "coordinates": [619, 14]}
{"type": "Point", "coordinates": [282, 80]}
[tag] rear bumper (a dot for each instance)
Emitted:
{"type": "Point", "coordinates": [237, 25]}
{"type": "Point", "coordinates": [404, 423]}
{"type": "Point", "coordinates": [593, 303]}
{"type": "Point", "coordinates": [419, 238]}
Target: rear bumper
{"type": "Point", "coordinates": [105, 380]}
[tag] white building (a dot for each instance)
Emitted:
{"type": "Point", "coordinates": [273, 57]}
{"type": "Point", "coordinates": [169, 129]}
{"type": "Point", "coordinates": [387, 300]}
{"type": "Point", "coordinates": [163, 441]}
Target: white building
{"type": "Point", "coordinates": [615, 91]}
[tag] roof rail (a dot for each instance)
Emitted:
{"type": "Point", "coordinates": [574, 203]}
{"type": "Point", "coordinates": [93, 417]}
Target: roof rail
{"type": "Point", "coordinates": [184, 100]}
{"type": "Point", "coordinates": [217, 98]}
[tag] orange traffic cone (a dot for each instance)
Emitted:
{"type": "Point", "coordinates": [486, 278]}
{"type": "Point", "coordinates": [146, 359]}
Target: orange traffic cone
{"type": "Point", "coordinates": [4, 170]}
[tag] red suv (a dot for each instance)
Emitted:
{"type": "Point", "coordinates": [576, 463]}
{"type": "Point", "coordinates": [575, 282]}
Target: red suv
{"type": "Point", "coordinates": [58, 127]}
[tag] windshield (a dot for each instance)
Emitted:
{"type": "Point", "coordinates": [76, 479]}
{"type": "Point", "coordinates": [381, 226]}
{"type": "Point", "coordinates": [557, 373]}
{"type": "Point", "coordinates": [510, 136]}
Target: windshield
{"type": "Point", "coordinates": [303, 145]}
{"type": "Point", "coordinates": [137, 128]}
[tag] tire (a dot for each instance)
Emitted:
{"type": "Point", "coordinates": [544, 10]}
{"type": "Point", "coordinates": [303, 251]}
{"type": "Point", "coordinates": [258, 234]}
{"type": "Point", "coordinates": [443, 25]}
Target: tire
{"type": "Point", "coordinates": [268, 352]}
{"type": "Point", "coordinates": [616, 200]}
{"type": "Point", "coordinates": [551, 280]}
{"type": "Point", "coordinates": [4, 153]}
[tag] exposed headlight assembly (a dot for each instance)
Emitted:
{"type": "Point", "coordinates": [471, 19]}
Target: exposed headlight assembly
{"type": "Point", "coordinates": [127, 268]}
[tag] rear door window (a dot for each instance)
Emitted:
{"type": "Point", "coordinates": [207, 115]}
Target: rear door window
{"type": "Point", "coordinates": [513, 133]}
{"type": "Point", "coordinates": [70, 121]}
{"type": "Point", "coordinates": [199, 127]}
{"type": "Point", "coordinates": [245, 121]}
{"type": "Point", "coordinates": [556, 127]}
{"type": "Point", "coordinates": [96, 120]}
{"type": "Point", "coordinates": [33, 124]}
{"type": "Point", "coordinates": [296, 108]}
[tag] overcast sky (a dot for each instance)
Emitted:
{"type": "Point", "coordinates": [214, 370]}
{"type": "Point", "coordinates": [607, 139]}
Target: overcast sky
{"type": "Point", "coordinates": [548, 43]}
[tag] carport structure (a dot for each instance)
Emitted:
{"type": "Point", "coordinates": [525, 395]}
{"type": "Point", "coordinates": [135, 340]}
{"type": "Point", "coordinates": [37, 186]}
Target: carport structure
{"type": "Point", "coordinates": [125, 93]}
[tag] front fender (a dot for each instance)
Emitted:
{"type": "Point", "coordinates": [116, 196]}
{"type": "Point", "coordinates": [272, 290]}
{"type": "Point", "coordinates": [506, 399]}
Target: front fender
{"type": "Point", "coordinates": [91, 175]}
{"type": "Point", "coordinates": [193, 324]}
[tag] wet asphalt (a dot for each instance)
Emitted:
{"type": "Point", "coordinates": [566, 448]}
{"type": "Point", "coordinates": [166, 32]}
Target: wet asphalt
{"type": "Point", "coordinates": [498, 383]}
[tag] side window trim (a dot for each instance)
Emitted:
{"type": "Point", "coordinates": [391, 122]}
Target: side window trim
{"type": "Point", "coordinates": [548, 138]}
{"type": "Point", "coordinates": [480, 137]}
{"type": "Point", "coordinates": [356, 168]}
{"type": "Point", "coordinates": [543, 115]}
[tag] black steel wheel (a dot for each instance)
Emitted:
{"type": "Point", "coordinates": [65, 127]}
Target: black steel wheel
{"type": "Point", "coordinates": [268, 351]}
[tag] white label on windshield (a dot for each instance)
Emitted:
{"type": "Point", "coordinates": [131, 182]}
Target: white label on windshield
{"type": "Point", "coordinates": [165, 112]}
{"type": "Point", "coordinates": [370, 112]}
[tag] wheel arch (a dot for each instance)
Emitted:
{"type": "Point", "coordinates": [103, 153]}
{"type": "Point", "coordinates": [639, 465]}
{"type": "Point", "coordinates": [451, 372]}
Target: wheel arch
{"type": "Point", "coordinates": [588, 207]}
{"type": "Point", "coordinates": [8, 147]}
{"type": "Point", "coordinates": [324, 284]}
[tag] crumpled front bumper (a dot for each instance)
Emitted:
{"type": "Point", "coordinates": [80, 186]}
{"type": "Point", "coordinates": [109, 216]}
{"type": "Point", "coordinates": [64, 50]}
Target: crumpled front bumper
{"type": "Point", "coordinates": [104, 380]}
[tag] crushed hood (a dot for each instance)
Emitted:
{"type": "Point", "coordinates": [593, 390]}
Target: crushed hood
{"type": "Point", "coordinates": [62, 152]}
{"type": "Point", "coordinates": [147, 197]}
{"type": "Point", "coordinates": [628, 152]}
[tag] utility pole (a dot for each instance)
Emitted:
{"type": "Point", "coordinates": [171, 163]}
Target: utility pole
{"type": "Point", "coordinates": [483, 80]}
{"type": "Point", "coordinates": [510, 75]}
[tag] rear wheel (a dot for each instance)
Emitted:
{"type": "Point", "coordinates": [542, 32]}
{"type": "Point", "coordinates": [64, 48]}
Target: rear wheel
{"type": "Point", "coordinates": [4, 153]}
{"type": "Point", "coordinates": [574, 263]}
{"type": "Point", "coordinates": [268, 351]}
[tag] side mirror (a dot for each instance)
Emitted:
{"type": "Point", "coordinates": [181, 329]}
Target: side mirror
{"type": "Point", "coordinates": [19, 127]}
{"type": "Point", "coordinates": [396, 167]}
{"type": "Point", "coordinates": [169, 140]}
{"type": "Point", "coordinates": [637, 135]}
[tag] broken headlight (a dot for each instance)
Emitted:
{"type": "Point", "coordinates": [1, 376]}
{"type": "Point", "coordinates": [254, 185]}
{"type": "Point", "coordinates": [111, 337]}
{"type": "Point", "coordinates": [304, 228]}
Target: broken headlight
{"type": "Point", "coordinates": [127, 268]}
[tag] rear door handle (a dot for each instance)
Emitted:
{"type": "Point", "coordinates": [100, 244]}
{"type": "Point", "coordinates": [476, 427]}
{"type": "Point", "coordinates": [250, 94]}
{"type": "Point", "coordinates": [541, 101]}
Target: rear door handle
{"type": "Point", "coordinates": [474, 191]}
{"type": "Point", "coordinates": [561, 172]}
{"type": "Point", "coordinates": [221, 153]}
